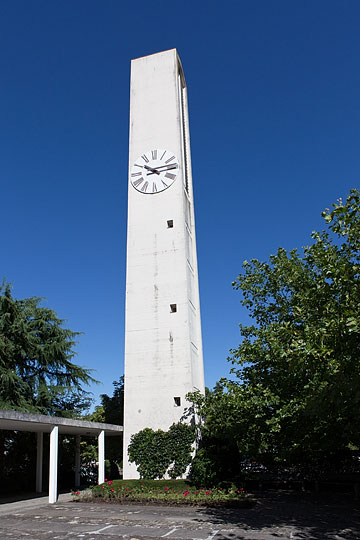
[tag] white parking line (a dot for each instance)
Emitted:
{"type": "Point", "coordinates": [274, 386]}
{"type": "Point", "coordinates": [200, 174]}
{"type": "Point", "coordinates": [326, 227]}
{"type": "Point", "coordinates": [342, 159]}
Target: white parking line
{"type": "Point", "coordinates": [100, 530]}
{"type": "Point", "coordinates": [211, 536]}
{"type": "Point", "coordinates": [169, 532]}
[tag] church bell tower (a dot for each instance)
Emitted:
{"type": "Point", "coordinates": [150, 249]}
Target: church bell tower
{"type": "Point", "coordinates": [163, 345]}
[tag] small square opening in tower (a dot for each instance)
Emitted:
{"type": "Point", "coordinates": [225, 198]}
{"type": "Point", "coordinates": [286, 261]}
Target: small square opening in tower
{"type": "Point", "coordinates": [177, 401]}
{"type": "Point", "coordinates": [173, 308]}
{"type": "Point", "coordinates": [170, 223]}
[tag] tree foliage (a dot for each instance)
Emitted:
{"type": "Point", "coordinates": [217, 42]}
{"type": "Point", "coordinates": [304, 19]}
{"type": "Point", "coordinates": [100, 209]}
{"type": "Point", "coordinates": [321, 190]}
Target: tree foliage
{"type": "Point", "coordinates": [113, 406]}
{"type": "Point", "coordinates": [37, 375]}
{"type": "Point", "coordinates": [36, 369]}
{"type": "Point", "coordinates": [180, 438]}
{"type": "Point", "coordinates": [111, 411]}
{"type": "Point", "coordinates": [296, 393]}
{"type": "Point", "coordinates": [157, 453]}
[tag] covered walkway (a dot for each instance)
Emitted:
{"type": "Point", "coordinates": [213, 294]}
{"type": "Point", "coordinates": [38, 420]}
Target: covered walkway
{"type": "Point", "coordinates": [40, 424]}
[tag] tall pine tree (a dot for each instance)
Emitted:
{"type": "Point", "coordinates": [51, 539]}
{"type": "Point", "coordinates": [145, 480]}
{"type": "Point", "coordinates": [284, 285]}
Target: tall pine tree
{"type": "Point", "coordinates": [36, 369]}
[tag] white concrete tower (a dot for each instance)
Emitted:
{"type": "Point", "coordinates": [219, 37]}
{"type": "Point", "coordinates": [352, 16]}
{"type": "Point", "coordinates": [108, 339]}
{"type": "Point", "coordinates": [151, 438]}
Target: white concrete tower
{"type": "Point", "coordinates": [163, 346]}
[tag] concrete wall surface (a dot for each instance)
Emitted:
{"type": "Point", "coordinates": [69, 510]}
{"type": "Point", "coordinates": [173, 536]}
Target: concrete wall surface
{"type": "Point", "coordinates": [163, 348]}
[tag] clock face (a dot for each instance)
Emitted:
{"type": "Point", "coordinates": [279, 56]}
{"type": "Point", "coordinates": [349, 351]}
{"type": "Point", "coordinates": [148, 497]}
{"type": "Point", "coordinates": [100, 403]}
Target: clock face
{"type": "Point", "coordinates": [154, 171]}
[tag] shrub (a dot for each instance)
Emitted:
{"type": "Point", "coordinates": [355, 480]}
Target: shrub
{"type": "Point", "coordinates": [167, 492]}
{"type": "Point", "coordinates": [156, 453]}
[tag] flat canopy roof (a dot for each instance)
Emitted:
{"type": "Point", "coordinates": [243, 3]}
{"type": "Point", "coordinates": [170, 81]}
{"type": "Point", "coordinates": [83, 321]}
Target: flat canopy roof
{"type": "Point", "coordinates": [19, 421]}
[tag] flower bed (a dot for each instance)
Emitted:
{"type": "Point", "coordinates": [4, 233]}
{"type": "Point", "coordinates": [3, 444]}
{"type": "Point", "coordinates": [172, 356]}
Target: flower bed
{"type": "Point", "coordinates": [172, 492]}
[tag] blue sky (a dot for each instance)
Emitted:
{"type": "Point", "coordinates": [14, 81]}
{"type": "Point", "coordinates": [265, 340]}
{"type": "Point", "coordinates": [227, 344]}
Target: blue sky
{"type": "Point", "coordinates": [274, 92]}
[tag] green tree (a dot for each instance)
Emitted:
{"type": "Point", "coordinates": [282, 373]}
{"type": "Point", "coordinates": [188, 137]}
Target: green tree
{"type": "Point", "coordinates": [36, 369]}
{"type": "Point", "coordinates": [296, 396]}
{"type": "Point", "coordinates": [37, 375]}
{"type": "Point", "coordinates": [114, 406]}
{"type": "Point", "coordinates": [111, 411]}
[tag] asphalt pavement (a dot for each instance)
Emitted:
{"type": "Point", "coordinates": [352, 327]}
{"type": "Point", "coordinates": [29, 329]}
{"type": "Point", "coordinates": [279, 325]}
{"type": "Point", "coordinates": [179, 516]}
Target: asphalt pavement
{"type": "Point", "coordinates": [276, 516]}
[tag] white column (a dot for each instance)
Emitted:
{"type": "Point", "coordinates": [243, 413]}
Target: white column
{"type": "Point", "coordinates": [39, 461]}
{"type": "Point", "coordinates": [77, 461]}
{"type": "Point", "coordinates": [101, 457]}
{"type": "Point", "coordinates": [53, 468]}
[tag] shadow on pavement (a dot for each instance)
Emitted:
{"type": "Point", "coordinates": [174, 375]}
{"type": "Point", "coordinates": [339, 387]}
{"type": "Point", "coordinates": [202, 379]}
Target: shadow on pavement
{"type": "Point", "coordinates": [319, 517]}
{"type": "Point", "coordinates": [21, 497]}
{"type": "Point", "coordinates": [26, 496]}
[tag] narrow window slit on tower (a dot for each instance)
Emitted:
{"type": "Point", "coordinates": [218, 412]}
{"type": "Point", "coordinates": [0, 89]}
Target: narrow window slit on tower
{"type": "Point", "coordinates": [170, 223]}
{"type": "Point", "coordinates": [177, 401]}
{"type": "Point", "coordinates": [173, 308]}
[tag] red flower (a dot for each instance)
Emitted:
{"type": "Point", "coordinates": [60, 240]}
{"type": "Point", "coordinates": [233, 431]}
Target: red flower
{"type": "Point", "coordinates": [105, 479]}
{"type": "Point", "coordinates": [241, 489]}
{"type": "Point", "coordinates": [112, 490]}
{"type": "Point", "coordinates": [110, 482]}
{"type": "Point", "coordinates": [208, 493]}
{"type": "Point", "coordinates": [103, 487]}
{"type": "Point", "coordinates": [186, 493]}
{"type": "Point", "coordinates": [167, 489]}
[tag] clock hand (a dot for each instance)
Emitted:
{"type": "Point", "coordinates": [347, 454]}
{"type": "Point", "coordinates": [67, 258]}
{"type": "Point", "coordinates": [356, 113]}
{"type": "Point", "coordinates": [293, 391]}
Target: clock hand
{"type": "Point", "coordinates": [169, 168]}
{"type": "Point", "coordinates": [153, 171]}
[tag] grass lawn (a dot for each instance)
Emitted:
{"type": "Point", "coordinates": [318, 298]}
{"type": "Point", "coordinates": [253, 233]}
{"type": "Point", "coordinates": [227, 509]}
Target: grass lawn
{"type": "Point", "coordinates": [167, 492]}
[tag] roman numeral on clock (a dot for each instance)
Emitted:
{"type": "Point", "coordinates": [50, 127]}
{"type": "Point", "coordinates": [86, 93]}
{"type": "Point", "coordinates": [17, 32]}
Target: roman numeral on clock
{"type": "Point", "coordinates": [163, 155]}
{"type": "Point", "coordinates": [170, 159]}
{"type": "Point", "coordinates": [145, 186]}
{"type": "Point", "coordinates": [137, 182]}
{"type": "Point", "coordinates": [154, 188]}
{"type": "Point", "coordinates": [145, 158]}
{"type": "Point", "coordinates": [171, 176]}
{"type": "Point", "coordinates": [136, 174]}
{"type": "Point", "coordinates": [153, 154]}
